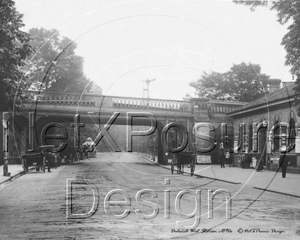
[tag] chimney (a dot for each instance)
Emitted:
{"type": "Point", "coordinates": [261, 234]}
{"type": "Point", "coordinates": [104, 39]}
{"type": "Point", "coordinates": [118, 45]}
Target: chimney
{"type": "Point", "coordinates": [271, 85]}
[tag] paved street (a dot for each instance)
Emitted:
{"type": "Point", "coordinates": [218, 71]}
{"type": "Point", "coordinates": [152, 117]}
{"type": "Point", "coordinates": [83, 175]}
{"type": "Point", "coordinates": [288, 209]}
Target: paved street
{"type": "Point", "coordinates": [33, 206]}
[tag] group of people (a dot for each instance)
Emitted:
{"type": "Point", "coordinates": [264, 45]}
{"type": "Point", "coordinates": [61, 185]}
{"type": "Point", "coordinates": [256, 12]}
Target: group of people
{"type": "Point", "coordinates": [283, 162]}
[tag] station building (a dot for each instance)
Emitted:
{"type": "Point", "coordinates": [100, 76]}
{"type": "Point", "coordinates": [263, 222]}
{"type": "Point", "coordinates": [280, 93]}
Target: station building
{"type": "Point", "coordinates": [275, 107]}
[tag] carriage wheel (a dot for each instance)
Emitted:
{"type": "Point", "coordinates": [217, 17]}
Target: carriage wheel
{"type": "Point", "coordinates": [25, 167]}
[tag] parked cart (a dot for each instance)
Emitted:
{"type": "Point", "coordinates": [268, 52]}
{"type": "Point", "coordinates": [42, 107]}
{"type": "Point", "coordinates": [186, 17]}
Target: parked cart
{"type": "Point", "coordinates": [38, 159]}
{"type": "Point", "coordinates": [181, 159]}
{"type": "Point", "coordinates": [33, 159]}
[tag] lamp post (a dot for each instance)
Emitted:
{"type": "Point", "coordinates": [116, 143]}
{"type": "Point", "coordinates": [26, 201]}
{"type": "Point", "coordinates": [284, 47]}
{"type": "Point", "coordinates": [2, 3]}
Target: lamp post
{"type": "Point", "coordinates": [5, 123]}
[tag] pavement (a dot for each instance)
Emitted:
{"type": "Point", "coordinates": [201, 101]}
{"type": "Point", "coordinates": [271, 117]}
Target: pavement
{"type": "Point", "coordinates": [269, 181]}
{"type": "Point", "coordinates": [15, 170]}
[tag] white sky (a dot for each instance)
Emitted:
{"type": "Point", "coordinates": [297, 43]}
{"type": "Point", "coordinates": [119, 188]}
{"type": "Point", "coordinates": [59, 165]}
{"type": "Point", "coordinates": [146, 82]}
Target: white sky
{"type": "Point", "coordinates": [125, 42]}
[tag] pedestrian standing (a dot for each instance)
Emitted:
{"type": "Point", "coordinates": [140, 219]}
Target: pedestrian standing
{"type": "Point", "coordinates": [259, 165]}
{"type": "Point", "coordinates": [48, 157]}
{"type": "Point", "coordinates": [55, 156]}
{"type": "Point", "coordinates": [221, 156]}
{"type": "Point", "coordinates": [283, 163]}
{"type": "Point", "coordinates": [222, 162]}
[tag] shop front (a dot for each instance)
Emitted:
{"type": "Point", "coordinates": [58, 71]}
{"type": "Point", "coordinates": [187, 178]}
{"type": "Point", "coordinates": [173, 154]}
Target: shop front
{"type": "Point", "coordinates": [282, 140]}
{"type": "Point", "coordinates": [249, 146]}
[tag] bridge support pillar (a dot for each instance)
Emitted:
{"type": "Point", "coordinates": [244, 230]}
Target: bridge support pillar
{"type": "Point", "coordinates": [161, 157]}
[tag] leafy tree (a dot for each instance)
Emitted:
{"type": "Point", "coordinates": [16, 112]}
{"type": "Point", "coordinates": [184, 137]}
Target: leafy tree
{"type": "Point", "coordinates": [54, 65]}
{"type": "Point", "coordinates": [243, 82]}
{"type": "Point", "coordinates": [288, 11]}
{"type": "Point", "coordinates": [14, 49]}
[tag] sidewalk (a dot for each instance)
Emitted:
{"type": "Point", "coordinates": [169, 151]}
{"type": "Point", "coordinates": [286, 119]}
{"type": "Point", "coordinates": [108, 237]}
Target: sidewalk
{"type": "Point", "coordinates": [264, 180]}
{"type": "Point", "coordinates": [15, 170]}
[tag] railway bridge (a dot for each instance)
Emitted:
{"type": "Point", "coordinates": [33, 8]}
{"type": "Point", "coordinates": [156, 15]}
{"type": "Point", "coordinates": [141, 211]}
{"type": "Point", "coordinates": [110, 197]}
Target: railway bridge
{"type": "Point", "coordinates": [43, 108]}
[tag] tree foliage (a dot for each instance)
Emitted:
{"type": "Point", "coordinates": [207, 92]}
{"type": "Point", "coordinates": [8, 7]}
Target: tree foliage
{"type": "Point", "coordinates": [243, 82]}
{"type": "Point", "coordinates": [288, 11]}
{"type": "Point", "coordinates": [54, 65]}
{"type": "Point", "coordinates": [14, 49]}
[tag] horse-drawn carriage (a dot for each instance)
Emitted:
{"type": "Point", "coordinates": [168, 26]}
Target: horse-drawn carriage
{"type": "Point", "coordinates": [183, 158]}
{"type": "Point", "coordinates": [89, 148]}
{"type": "Point", "coordinates": [40, 159]}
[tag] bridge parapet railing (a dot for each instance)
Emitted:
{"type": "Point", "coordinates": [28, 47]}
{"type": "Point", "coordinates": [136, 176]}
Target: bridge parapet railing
{"type": "Point", "coordinates": [64, 98]}
{"type": "Point", "coordinates": [154, 104]}
{"type": "Point", "coordinates": [107, 101]}
{"type": "Point", "coordinates": [224, 107]}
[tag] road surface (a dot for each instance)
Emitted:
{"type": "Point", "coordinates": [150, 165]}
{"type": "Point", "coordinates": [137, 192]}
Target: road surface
{"type": "Point", "coordinates": [36, 205]}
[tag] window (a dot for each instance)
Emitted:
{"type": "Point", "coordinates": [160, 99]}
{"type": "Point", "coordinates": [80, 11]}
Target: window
{"type": "Point", "coordinates": [250, 135]}
{"type": "Point", "coordinates": [276, 134]}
